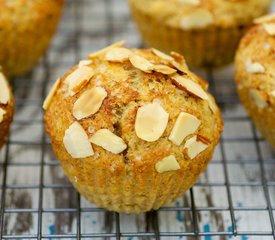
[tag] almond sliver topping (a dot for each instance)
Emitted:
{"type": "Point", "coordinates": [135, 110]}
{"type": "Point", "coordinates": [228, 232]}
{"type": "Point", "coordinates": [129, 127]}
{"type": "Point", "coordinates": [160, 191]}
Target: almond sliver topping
{"type": "Point", "coordinates": [265, 19]}
{"type": "Point", "coordinates": [4, 90]}
{"type": "Point", "coordinates": [104, 50]}
{"type": "Point", "coordinates": [254, 67]}
{"type": "Point", "coordinates": [89, 102]}
{"type": "Point", "coordinates": [109, 141]}
{"type": "Point", "coordinates": [163, 69]}
{"type": "Point", "coordinates": [2, 113]}
{"type": "Point", "coordinates": [79, 78]}
{"type": "Point", "coordinates": [169, 163]}
{"type": "Point", "coordinates": [151, 121]}
{"type": "Point", "coordinates": [194, 147]}
{"type": "Point", "coordinates": [76, 142]}
{"type": "Point", "coordinates": [270, 28]}
{"type": "Point", "coordinates": [84, 63]}
{"type": "Point", "coordinates": [118, 54]}
{"type": "Point", "coordinates": [51, 94]}
{"type": "Point", "coordinates": [185, 125]}
{"type": "Point", "coordinates": [162, 55]}
{"type": "Point", "coordinates": [141, 63]}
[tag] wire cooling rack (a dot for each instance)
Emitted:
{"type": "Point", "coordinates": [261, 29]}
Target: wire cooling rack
{"type": "Point", "coordinates": [233, 199]}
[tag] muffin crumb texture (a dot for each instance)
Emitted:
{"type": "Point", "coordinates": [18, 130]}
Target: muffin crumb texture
{"type": "Point", "coordinates": [255, 64]}
{"type": "Point", "coordinates": [135, 127]}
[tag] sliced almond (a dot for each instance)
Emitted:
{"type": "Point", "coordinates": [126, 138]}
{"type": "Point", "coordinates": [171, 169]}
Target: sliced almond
{"type": "Point", "coordinates": [79, 78]}
{"type": "Point", "coordinates": [270, 28]}
{"type": "Point", "coordinates": [89, 102]}
{"type": "Point", "coordinates": [254, 67]}
{"type": "Point", "coordinates": [179, 67]}
{"type": "Point", "coordinates": [104, 50]}
{"type": "Point", "coordinates": [273, 93]}
{"type": "Point", "coordinates": [118, 54]}
{"type": "Point", "coordinates": [184, 83]}
{"type": "Point", "coordinates": [212, 105]}
{"type": "Point", "coordinates": [199, 18]}
{"type": "Point", "coordinates": [77, 142]}
{"type": "Point", "coordinates": [53, 90]}
{"type": "Point", "coordinates": [194, 147]}
{"type": "Point", "coordinates": [2, 113]}
{"type": "Point", "coordinates": [109, 141]}
{"type": "Point", "coordinates": [4, 90]}
{"type": "Point", "coordinates": [258, 98]}
{"type": "Point", "coordinates": [169, 163]}
{"type": "Point", "coordinates": [185, 125]}
{"type": "Point", "coordinates": [178, 57]}
{"type": "Point", "coordinates": [84, 63]}
{"type": "Point", "coordinates": [264, 19]}
{"type": "Point", "coordinates": [163, 69]}
{"type": "Point", "coordinates": [141, 63]}
{"type": "Point", "coordinates": [151, 121]}
{"type": "Point", "coordinates": [162, 55]}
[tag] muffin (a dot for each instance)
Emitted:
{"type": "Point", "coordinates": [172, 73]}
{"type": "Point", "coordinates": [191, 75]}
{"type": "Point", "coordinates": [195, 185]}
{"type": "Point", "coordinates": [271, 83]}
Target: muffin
{"type": "Point", "coordinates": [255, 64]}
{"type": "Point", "coordinates": [27, 27]}
{"type": "Point", "coordinates": [133, 128]}
{"type": "Point", "coordinates": [207, 32]}
{"type": "Point", "coordinates": [6, 108]}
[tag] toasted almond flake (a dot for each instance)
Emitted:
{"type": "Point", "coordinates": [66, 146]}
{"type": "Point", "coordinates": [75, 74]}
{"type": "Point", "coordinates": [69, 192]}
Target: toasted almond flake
{"type": "Point", "coordinates": [212, 105]}
{"type": "Point", "coordinates": [162, 55]}
{"type": "Point", "coordinates": [169, 163]}
{"type": "Point", "coordinates": [270, 28]}
{"type": "Point", "coordinates": [141, 63]}
{"type": "Point", "coordinates": [84, 63]}
{"type": "Point", "coordinates": [4, 90]}
{"type": "Point", "coordinates": [178, 57]}
{"type": "Point", "coordinates": [163, 69]}
{"type": "Point", "coordinates": [151, 121]}
{"type": "Point", "coordinates": [76, 142]}
{"type": "Point", "coordinates": [53, 90]}
{"type": "Point", "coordinates": [254, 67]}
{"type": "Point", "coordinates": [2, 113]}
{"type": "Point", "coordinates": [258, 98]}
{"type": "Point", "coordinates": [264, 19]}
{"type": "Point", "coordinates": [273, 93]}
{"type": "Point", "coordinates": [109, 141]}
{"type": "Point", "coordinates": [89, 102]}
{"type": "Point", "coordinates": [197, 19]}
{"type": "Point", "coordinates": [194, 147]}
{"type": "Point", "coordinates": [118, 54]}
{"type": "Point", "coordinates": [185, 125]}
{"type": "Point", "coordinates": [179, 67]}
{"type": "Point", "coordinates": [184, 83]}
{"type": "Point", "coordinates": [104, 50]}
{"type": "Point", "coordinates": [190, 2]}
{"type": "Point", "coordinates": [78, 79]}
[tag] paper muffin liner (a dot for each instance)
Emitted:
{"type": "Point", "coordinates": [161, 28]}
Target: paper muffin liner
{"type": "Point", "coordinates": [207, 47]}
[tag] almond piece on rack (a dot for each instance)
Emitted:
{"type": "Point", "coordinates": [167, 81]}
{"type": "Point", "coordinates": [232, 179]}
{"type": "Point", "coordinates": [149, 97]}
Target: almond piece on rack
{"type": "Point", "coordinates": [141, 63]}
{"type": "Point", "coordinates": [79, 78]}
{"type": "Point", "coordinates": [4, 90]}
{"type": "Point", "coordinates": [48, 99]}
{"type": "Point", "coordinates": [2, 113]}
{"type": "Point", "coordinates": [162, 55]}
{"type": "Point", "coordinates": [84, 63]}
{"type": "Point", "coordinates": [258, 98]}
{"type": "Point", "coordinates": [186, 84]}
{"type": "Point", "coordinates": [254, 67]}
{"type": "Point", "coordinates": [118, 54]}
{"type": "Point", "coordinates": [77, 142]}
{"type": "Point", "coordinates": [109, 141]}
{"type": "Point", "coordinates": [185, 125]}
{"type": "Point", "coordinates": [197, 19]}
{"type": "Point", "coordinates": [163, 69]}
{"type": "Point", "coordinates": [104, 50]}
{"type": "Point", "coordinates": [89, 102]}
{"type": "Point", "coordinates": [151, 121]}
{"type": "Point", "coordinates": [194, 147]}
{"type": "Point", "coordinates": [169, 163]}
{"type": "Point", "coordinates": [270, 28]}
{"type": "Point", "coordinates": [264, 19]}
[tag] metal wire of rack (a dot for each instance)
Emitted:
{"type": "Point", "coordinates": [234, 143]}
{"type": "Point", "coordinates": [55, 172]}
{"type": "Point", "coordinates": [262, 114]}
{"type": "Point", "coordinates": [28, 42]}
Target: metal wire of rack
{"type": "Point", "coordinates": [234, 198]}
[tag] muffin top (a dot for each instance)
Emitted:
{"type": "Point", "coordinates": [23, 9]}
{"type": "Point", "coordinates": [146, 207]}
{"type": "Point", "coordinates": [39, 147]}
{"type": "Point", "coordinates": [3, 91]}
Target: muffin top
{"type": "Point", "coordinates": [196, 14]}
{"type": "Point", "coordinates": [133, 106]}
{"type": "Point", "coordinates": [256, 61]}
{"type": "Point", "coordinates": [6, 100]}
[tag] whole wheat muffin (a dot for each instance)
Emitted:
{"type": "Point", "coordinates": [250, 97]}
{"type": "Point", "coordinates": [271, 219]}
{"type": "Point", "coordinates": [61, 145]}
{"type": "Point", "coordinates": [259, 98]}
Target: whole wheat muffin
{"type": "Point", "coordinates": [6, 107]}
{"type": "Point", "coordinates": [207, 32]}
{"type": "Point", "coordinates": [255, 76]}
{"type": "Point", "coordinates": [133, 129]}
{"type": "Point", "coordinates": [27, 27]}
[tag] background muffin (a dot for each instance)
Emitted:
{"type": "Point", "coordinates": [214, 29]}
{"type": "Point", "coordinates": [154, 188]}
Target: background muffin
{"type": "Point", "coordinates": [255, 64]}
{"type": "Point", "coordinates": [207, 32]}
{"type": "Point", "coordinates": [26, 30]}
{"type": "Point", "coordinates": [6, 108]}
{"type": "Point", "coordinates": [133, 129]}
